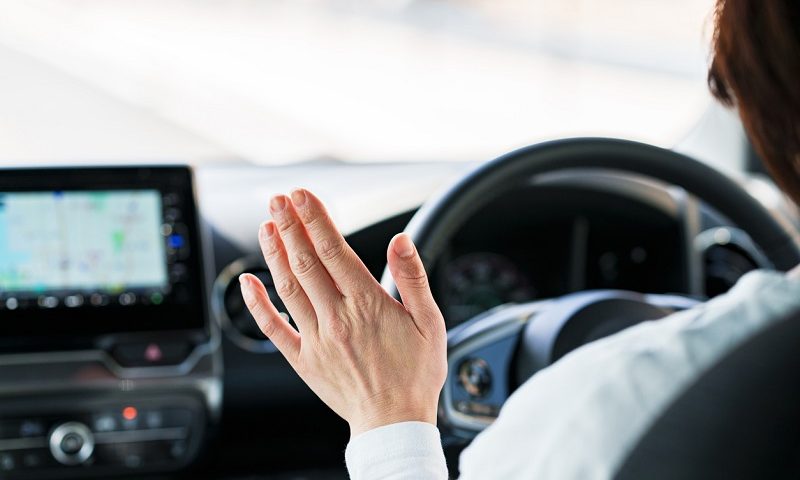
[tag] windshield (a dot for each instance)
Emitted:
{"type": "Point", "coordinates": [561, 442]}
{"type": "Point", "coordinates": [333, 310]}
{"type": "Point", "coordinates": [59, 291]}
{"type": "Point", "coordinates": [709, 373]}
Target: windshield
{"type": "Point", "coordinates": [383, 81]}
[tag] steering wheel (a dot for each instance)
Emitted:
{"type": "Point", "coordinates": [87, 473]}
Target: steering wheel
{"type": "Point", "coordinates": [493, 353]}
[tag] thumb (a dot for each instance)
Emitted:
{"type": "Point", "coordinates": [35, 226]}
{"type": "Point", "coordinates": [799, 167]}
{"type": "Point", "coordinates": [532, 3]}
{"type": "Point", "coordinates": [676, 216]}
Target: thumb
{"type": "Point", "coordinates": [409, 275]}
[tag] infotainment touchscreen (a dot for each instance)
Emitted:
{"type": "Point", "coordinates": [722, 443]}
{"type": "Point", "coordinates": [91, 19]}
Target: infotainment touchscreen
{"type": "Point", "coordinates": [69, 248]}
{"type": "Point", "coordinates": [93, 250]}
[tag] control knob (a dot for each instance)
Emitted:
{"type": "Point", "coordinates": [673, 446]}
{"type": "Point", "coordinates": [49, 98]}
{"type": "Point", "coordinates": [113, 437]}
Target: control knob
{"type": "Point", "coordinates": [71, 443]}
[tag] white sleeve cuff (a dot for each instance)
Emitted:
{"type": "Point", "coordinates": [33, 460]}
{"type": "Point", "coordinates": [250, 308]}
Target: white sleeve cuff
{"type": "Point", "coordinates": [399, 451]}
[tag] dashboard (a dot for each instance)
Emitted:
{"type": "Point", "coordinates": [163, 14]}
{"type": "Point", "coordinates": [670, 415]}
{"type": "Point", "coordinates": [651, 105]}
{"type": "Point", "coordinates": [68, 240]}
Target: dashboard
{"type": "Point", "coordinates": [125, 348]}
{"type": "Point", "coordinates": [108, 359]}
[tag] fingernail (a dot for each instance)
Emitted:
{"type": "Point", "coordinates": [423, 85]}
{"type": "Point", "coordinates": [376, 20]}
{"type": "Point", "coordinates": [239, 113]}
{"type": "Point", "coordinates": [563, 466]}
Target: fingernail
{"type": "Point", "coordinates": [268, 229]}
{"type": "Point", "coordinates": [299, 197]}
{"type": "Point", "coordinates": [244, 284]}
{"type": "Point", "coordinates": [403, 246]}
{"type": "Point", "coordinates": [278, 203]}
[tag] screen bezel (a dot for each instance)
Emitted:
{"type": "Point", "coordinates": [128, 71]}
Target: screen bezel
{"type": "Point", "coordinates": [68, 327]}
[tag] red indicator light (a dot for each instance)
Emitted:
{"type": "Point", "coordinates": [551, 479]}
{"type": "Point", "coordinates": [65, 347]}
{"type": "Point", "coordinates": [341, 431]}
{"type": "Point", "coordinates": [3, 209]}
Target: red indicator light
{"type": "Point", "coordinates": [129, 413]}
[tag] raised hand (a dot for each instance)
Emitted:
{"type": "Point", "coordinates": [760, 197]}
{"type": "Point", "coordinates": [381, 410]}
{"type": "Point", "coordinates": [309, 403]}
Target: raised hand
{"type": "Point", "coordinates": [373, 360]}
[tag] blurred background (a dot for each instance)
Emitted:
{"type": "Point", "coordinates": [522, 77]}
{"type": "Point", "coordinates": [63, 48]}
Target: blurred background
{"type": "Point", "coordinates": [275, 82]}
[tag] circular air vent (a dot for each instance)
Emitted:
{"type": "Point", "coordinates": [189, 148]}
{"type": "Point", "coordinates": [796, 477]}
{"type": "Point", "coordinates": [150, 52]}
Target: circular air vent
{"type": "Point", "coordinates": [727, 254]}
{"type": "Point", "coordinates": [229, 307]}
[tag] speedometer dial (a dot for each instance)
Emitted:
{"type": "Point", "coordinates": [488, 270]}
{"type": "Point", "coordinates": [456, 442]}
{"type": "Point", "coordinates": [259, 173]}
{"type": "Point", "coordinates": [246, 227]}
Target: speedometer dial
{"type": "Point", "coordinates": [477, 282]}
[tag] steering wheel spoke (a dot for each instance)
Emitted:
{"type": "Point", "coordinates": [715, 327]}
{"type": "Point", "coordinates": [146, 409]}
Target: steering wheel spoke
{"type": "Point", "coordinates": [495, 352]}
{"type": "Point", "coordinates": [480, 353]}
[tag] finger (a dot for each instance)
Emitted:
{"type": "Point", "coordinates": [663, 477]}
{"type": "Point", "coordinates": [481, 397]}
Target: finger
{"type": "Point", "coordinates": [271, 323]}
{"type": "Point", "coordinates": [409, 274]}
{"type": "Point", "coordinates": [286, 284]}
{"type": "Point", "coordinates": [303, 259]}
{"type": "Point", "coordinates": [343, 265]}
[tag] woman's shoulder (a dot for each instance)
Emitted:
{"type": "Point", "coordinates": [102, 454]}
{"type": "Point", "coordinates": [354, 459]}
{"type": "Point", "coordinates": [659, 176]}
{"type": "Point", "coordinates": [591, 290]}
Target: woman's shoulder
{"type": "Point", "coordinates": [579, 417]}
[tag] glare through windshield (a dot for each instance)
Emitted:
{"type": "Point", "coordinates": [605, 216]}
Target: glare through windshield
{"type": "Point", "coordinates": [382, 81]}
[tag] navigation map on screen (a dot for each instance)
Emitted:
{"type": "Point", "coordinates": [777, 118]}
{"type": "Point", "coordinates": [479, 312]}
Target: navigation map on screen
{"type": "Point", "coordinates": [81, 241]}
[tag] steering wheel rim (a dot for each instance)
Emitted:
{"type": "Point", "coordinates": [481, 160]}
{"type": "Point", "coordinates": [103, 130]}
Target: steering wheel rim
{"type": "Point", "coordinates": [438, 218]}
{"type": "Point", "coordinates": [516, 341]}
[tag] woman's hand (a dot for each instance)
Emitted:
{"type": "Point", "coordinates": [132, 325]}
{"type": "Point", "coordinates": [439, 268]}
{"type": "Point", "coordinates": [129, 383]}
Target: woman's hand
{"type": "Point", "coordinates": [373, 360]}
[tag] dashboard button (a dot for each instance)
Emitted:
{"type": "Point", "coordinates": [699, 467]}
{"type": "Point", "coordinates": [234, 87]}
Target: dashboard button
{"type": "Point", "coordinates": [7, 462]}
{"type": "Point", "coordinates": [475, 377]}
{"type": "Point", "coordinates": [105, 423]}
{"type": "Point", "coordinates": [154, 419]}
{"type": "Point", "coordinates": [151, 353]}
{"type": "Point", "coordinates": [31, 428]}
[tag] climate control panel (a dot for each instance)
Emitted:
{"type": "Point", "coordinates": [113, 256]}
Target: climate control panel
{"type": "Point", "coordinates": [101, 437]}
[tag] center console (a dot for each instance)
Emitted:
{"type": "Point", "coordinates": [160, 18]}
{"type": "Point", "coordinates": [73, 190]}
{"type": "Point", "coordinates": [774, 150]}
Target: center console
{"type": "Point", "coordinates": [109, 364]}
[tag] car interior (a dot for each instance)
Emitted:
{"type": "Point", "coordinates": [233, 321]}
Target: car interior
{"type": "Point", "coordinates": [560, 166]}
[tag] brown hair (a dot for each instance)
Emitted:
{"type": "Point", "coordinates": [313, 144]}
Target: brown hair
{"type": "Point", "coordinates": [756, 68]}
